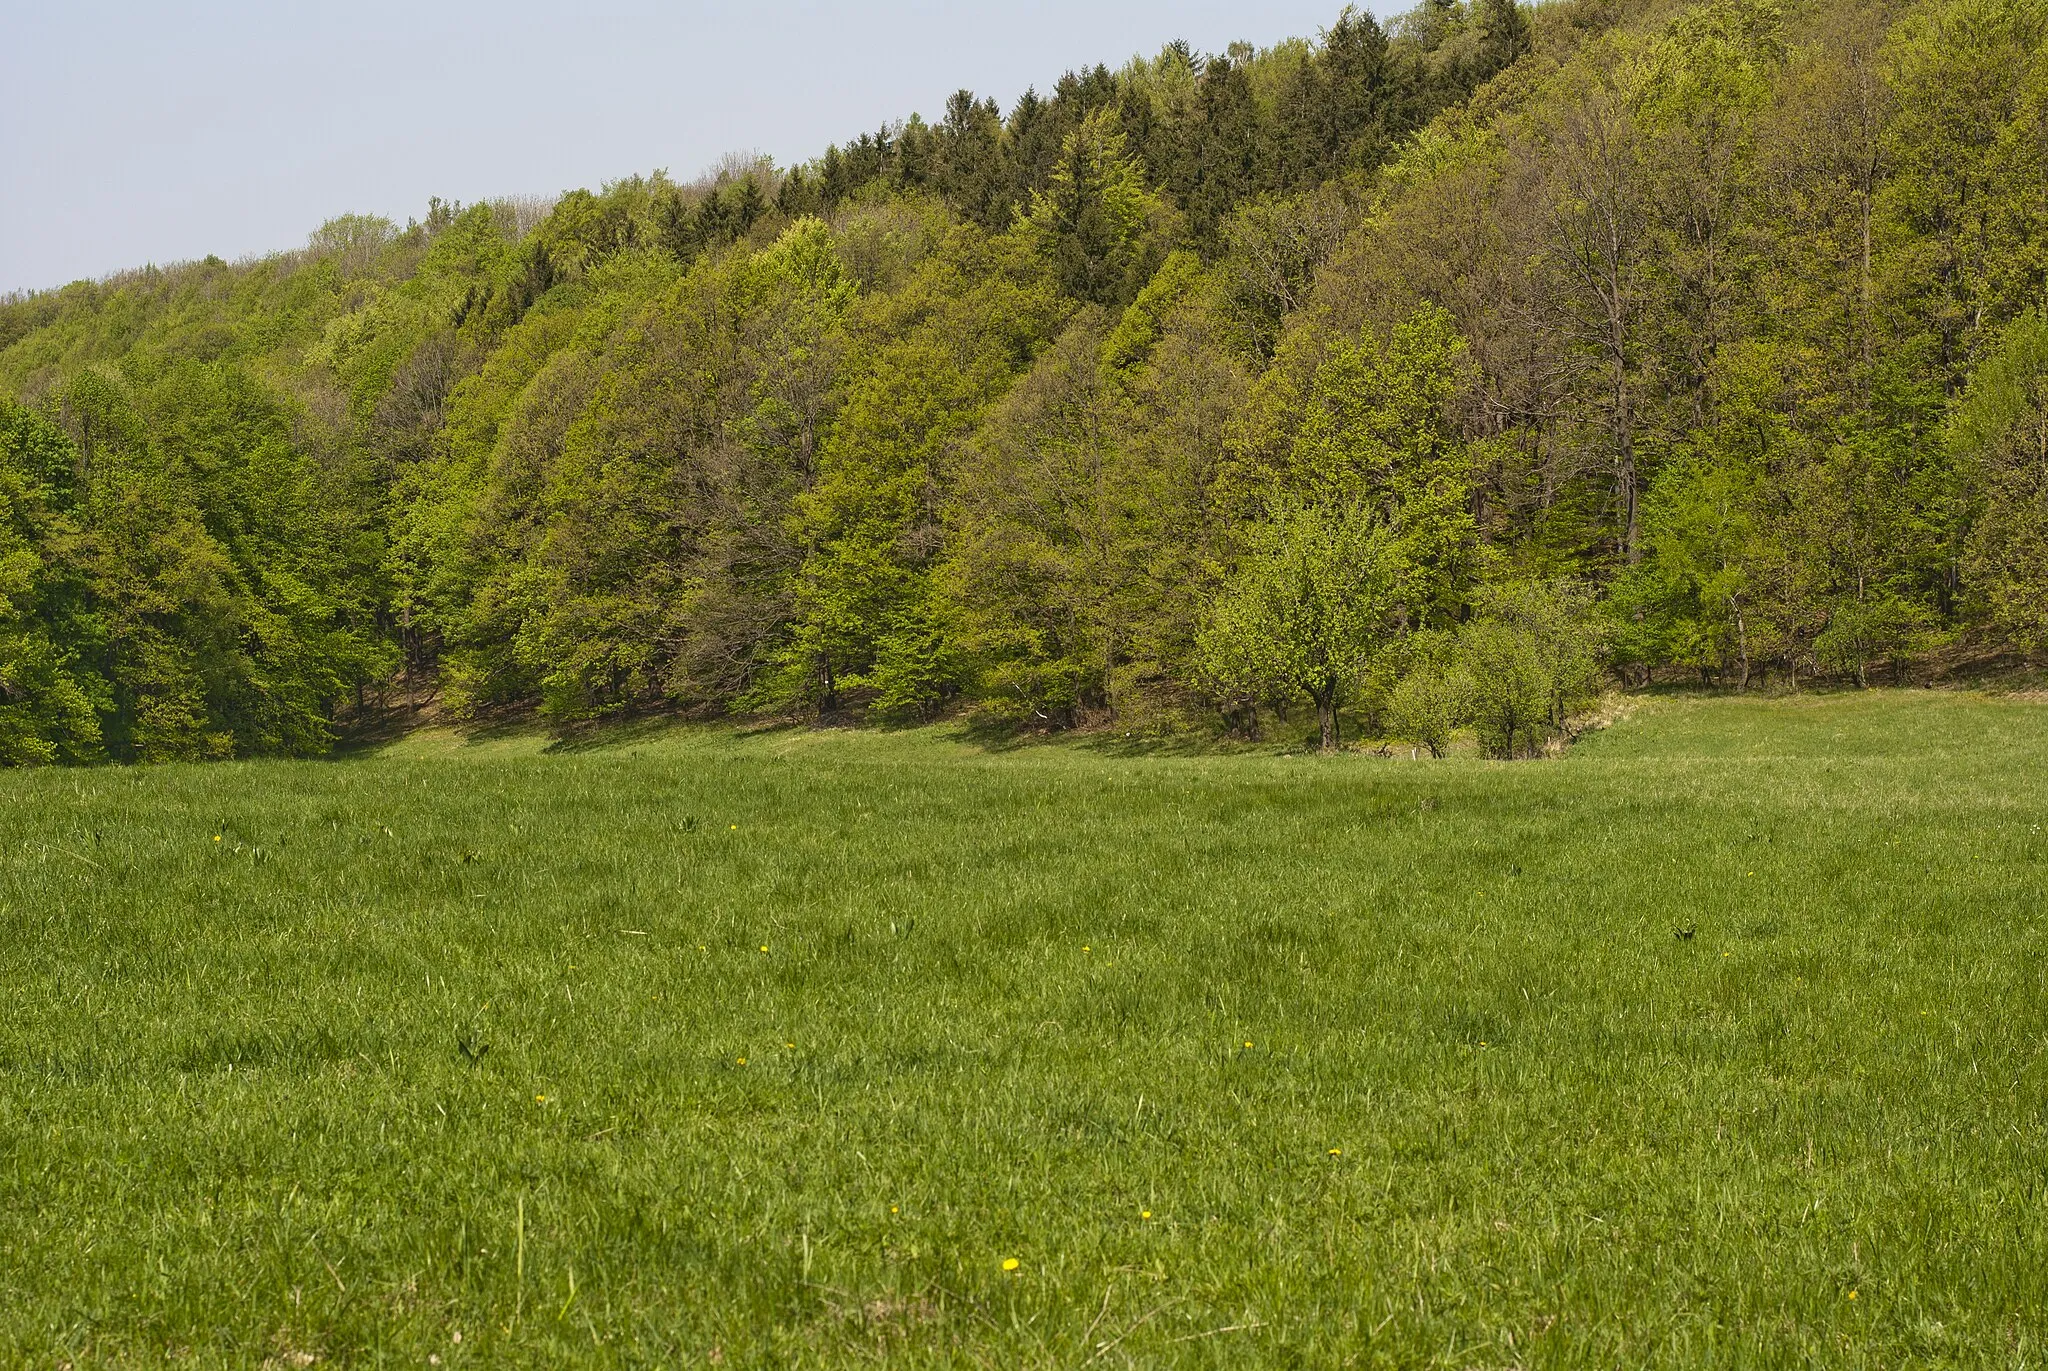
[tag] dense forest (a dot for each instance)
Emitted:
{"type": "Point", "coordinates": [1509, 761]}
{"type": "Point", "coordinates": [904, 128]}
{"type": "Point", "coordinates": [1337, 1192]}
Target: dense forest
{"type": "Point", "coordinates": [1418, 377]}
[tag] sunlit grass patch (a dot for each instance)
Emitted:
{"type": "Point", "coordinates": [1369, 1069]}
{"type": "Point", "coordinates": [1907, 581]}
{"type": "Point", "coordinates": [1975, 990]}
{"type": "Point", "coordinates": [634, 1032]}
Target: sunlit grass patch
{"type": "Point", "coordinates": [1717, 1041]}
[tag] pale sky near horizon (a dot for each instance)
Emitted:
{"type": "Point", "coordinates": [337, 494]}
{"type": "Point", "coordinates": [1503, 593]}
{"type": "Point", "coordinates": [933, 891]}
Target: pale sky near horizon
{"type": "Point", "coordinates": [133, 133]}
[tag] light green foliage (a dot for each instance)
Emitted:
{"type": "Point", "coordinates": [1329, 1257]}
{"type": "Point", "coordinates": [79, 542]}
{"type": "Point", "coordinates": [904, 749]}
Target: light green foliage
{"type": "Point", "coordinates": [1371, 420]}
{"type": "Point", "coordinates": [919, 664]}
{"type": "Point", "coordinates": [177, 575]}
{"type": "Point", "coordinates": [1881, 627]}
{"type": "Point", "coordinates": [1138, 330]}
{"type": "Point", "coordinates": [1968, 197]}
{"type": "Point", "coordinates": [632, 512]}
{"type": "Point", "coordinates": [1275, 245]}
{"type": "Point", "coordinates": [1085, 540]}
{"type": "Point", "coordinates": [1314, 601]}
{"type": "Point", "coordinates": [1687, 604]}
{"type": "Point", "coordinates": [440, 555]}
{"type": "Point", "coordinates": [1046, 540]}
{"type": "Point", "coordinates": [240, 1123]}
{"type": "Point", "coordinates": [1529, 661]}
{"type": "Point", "coordinates": [931, 359]}
{"type": "Point", "coordinates": [1432, 699]}
{"type": "Point", "coordinates": [1701, 598]}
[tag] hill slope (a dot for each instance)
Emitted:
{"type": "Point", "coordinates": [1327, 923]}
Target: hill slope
{"type": "Point", "coordinates": [1706, 339]}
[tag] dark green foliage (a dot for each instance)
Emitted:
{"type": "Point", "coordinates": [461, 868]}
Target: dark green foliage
{"type": "Point", "coordinates": [1208, 131]}
{"type": "Point", "coordinates": [1099, 228]}
{"type": "Point", "coordinates": [178, 582]}
{"type": "Point", "coordinates": [2000, 441]}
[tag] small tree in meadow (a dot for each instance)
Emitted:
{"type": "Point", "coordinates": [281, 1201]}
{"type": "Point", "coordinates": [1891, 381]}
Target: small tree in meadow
{"type": "Point", "coordinates": [1531, 660]}
{"type": "Point", "coordinates": [1313, 601]}
{"type": "Point", "coordinates": [1433, 698]}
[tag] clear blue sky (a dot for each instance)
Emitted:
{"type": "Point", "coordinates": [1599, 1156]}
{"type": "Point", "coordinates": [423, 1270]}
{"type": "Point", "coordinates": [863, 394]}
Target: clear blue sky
{"type": "Point", "coordinates": [138, 132]}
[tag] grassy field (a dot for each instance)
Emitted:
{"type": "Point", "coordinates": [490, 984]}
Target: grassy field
{"type": "Point", "coordinates": [844, 1048]}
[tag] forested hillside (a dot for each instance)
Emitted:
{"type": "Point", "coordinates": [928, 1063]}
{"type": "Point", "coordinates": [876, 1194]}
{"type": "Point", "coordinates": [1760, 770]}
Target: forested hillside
{"type": "Point", "coordinates": [1417, 374]}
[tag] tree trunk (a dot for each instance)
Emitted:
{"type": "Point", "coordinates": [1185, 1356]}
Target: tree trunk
{"type": "Point", "coordinates": [1326, 715]}
{"type": "Point", "coordinates": [1862, 646]}
{"type": "Point", "coordinates": [1742, 641]}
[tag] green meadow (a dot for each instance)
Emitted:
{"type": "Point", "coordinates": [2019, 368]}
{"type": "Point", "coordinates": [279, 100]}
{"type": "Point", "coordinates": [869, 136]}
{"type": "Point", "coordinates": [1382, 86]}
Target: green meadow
{"type": "Point", "coordinates": [1716, 1042]}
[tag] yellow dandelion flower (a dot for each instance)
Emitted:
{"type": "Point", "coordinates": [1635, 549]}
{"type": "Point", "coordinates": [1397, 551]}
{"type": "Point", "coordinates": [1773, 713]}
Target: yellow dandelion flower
{"type": "Point", "coordinates": [1336, 1151]}
{"type": "Point", "coordinates": [1247, 1044]}
{"type": "Point", "coordinates": [216, 837]}
{"type": "Point", "coordinates": [742, 1061]}
{"type": "Point", "coordinates": [1011, 1263]}
{"type": "Point", "coordinates": [764, 947]}
{"type": "Point", "coordinates": [893, 1209]}
{"type": "Point", "coordinates": [1852, 1294]}
{"type": "Point", "coordinates": [1144, 1213]}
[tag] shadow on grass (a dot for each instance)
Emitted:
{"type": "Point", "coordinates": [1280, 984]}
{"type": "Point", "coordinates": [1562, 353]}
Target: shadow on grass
{"type": "Point", "coordinates": [1000, 736]}
{"type": "Point", "coordinates": [625, 731]}
{"type": "Point", "coordinates": [604, 735]}
{"type": "Point", "coordinates": [990, 736]}
{"type": "Point", "coordinates": [368, 737]}
{"type": "Point", "coordinates": [368, 733]}
{"type": "Point", "coordinates": [1111, 744]}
